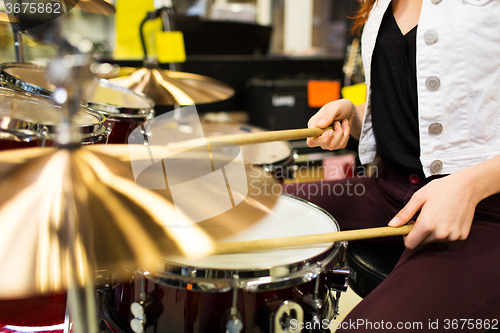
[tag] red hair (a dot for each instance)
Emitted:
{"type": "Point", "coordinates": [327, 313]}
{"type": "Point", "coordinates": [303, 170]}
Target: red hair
{"type": "Point", "coordinates": [361, 16]}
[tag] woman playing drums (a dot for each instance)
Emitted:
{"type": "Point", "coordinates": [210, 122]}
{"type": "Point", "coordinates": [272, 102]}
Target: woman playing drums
{"type": "Point", "coordinates": [432, 116]}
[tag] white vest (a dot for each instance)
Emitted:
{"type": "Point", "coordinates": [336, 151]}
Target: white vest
{"type": "Point", "coordinates": [458, 82]}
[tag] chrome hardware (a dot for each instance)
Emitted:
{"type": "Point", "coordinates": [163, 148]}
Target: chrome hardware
{"type": "Point", "coordinates": [313, 302]}
{"type": "Point", "coordinates": [145, 134]}
{"type": "Point", "coordinates": [137, 324]}
{"type": "Point", "coordinates": [281, 319]}
{"type": "Point", "coordinates": [137, 308]}
{"type": "Point", "coordinates": [337, 285]}
{"type": "Point", "coordinates": [108, 132]}
{"type": "Point", "coordinates": [44, 135]}
{"type": "Point", "coordinates": [339, 279]}
{"type": "Point", "coordinates": [234, 324]}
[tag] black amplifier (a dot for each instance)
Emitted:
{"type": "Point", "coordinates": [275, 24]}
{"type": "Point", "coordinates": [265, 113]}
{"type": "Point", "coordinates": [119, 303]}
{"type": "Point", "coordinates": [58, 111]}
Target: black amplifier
{"type": "Point", "coordinates": [277, 102]}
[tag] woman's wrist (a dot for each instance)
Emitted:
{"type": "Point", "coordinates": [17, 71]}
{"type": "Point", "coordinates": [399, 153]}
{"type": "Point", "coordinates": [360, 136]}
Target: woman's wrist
{"type": "Point", "coordinates": [483, 179]}
{"type": "Point", "coordinates": [356, 118]}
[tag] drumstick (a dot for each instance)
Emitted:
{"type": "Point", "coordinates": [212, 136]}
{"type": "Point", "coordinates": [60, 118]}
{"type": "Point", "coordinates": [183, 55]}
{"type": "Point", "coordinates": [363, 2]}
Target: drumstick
{"type": "Point", "coordinates": [252, 138]}
{"type": "Point", "coordinates": [350, 235]}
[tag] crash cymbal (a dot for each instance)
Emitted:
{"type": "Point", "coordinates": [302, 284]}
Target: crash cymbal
{"type": "Point", "coordinates": [49, 194]}
{"type": "Point", "coordinates": [166, 87]}
{"type": "Point", "coordinates": [6, 18]}
{"type": "Point", "coordinates": [103, 7]}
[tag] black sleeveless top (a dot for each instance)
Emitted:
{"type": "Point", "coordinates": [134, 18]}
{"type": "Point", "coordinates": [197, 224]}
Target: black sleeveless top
{"type": "Point", "coordinates": [394, 95]}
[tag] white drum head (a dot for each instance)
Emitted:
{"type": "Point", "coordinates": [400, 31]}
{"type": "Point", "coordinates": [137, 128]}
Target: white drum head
{"type": "Point", "coordinates": [291, 217]}
{"type": "Point", "coordinates": [113, 95]}
{"type": "Point", "coordinates": [40, 110]}
{"type": "Point", "coordinates": [262, 153]}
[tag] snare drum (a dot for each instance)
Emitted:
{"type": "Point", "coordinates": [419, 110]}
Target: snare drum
{"type": "Point", "coordinates": [31, 121]}
{"type": "Point", "coordinates": [124, 109]}
{"type": "Point", "coordinates": [261, 291]}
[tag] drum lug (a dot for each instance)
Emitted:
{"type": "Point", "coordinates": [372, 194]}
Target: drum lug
{"type": "Point", "coordinates": [141, 311]}
{"type": "Point", "coordinates": [145, 134]}
{"type": "Point", "coordinates": [143, 308]}
{"type": "Point", "coordinates": [137, 324]}
{"type": "Point", "coordinates": [312, 302]}
{"type": "Point", "coordinates": [286, 318]}
{"type": "Point", "coordinates": [234, 324]}
{"type": "Point", "coordinates": [44, 135]}
{"type": "Point", "coordinates": [108, 132]}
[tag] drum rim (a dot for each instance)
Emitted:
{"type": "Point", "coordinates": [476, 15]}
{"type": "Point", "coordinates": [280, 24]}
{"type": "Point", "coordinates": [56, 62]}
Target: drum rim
{"type": "Point", "coordinates": [111, 111]}
{"type": "Point", "coordinates": [255, 279]}
{"type": "Point", "coordinates": [16, 129]}
{"type": "Point", "coordinates": [19, 84]}
{"type": "Point", "coordinates": [120, 112]}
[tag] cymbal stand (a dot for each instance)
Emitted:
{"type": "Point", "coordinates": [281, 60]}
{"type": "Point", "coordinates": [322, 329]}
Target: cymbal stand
{"type": "Point", "coordinates": [18, 43]}
{"type": "Point", "coordinates": [150, 62]}
{"type": "Point", "coordinates": [68, 72]}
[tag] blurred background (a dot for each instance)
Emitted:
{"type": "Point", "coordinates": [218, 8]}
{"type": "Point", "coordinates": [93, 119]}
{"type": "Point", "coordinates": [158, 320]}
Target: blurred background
{"type": "Point", "coordinates": [268, 51]}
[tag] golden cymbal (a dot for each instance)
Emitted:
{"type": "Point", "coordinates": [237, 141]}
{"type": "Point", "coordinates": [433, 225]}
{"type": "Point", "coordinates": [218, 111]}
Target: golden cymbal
{"type": "Point", "coordinates": [6, 18]}
{"type": "Point", "coordinates": [85, 202]}
{"type": "Point", "coordinates": [103, 7]}
{"type": "Point", "coordinates": [166, 87]}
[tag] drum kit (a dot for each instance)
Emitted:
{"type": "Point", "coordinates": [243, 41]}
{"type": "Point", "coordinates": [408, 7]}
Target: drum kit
{"type": "Point", "coordinates": [146, 277]}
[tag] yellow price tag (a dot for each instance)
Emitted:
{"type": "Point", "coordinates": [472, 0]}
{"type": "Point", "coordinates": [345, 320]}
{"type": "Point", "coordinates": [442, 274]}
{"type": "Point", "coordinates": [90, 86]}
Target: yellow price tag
{"type": "Point", "coordinates": [355, 93]}
{"type": "Point", "coordinates": [170, 46]}
{"type": "Point", "coordinates": [128, 17]}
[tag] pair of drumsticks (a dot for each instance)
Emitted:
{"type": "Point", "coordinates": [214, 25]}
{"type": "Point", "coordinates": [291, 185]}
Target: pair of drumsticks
{"type": "Point", "coordinates": [266, 244]}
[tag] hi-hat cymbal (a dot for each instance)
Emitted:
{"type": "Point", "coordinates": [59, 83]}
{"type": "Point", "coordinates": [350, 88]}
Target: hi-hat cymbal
{"type": "Point", "coordinates": [6, 18]}
{"type": "Point", "coordinates": [47, 193]}
{"type": "Point", "coordinates": [166, 87]}
{"type": "Point", "coordinates": [103, 7]}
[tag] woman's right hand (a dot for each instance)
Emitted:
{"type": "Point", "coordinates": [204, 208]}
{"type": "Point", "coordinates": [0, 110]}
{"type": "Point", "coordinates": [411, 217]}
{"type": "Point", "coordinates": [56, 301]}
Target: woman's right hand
{"type": "Point", "coordinates": [339, 114]}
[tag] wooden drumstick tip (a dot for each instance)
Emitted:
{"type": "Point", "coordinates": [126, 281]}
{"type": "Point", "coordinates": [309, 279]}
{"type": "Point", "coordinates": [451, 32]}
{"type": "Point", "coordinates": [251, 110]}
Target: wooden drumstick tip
{"type": "Point", "coordinates": [333, 237]}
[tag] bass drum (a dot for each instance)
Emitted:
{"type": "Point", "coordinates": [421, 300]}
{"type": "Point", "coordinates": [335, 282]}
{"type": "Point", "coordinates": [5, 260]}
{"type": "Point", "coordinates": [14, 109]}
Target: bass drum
{"type": "Point", "coordinates": [123, 108]}
{"type": "Point", "coordinates": [31, 121]}
{"type": "Point", "coordinates": [261, 291]}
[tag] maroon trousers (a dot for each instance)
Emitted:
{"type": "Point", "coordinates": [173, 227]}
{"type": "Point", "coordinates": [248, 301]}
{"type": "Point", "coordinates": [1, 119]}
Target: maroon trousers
{"type": "Point", "coordinates": [439, 287]}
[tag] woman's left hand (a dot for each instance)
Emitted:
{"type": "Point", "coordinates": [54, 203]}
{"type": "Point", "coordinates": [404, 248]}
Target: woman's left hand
{"type": "Point", "coordinates": [446, 208]}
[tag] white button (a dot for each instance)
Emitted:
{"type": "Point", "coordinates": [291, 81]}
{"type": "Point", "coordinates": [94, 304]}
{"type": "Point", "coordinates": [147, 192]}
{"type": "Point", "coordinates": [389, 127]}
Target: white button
{"type": "Point", "coordinates": [430, 36]}
{"type": "Point", "coordinates": [435, 1]}
{"type": "Point", "coordinates": [432, 83]}
{"type": "Point", "coordinates": [436, 166]}
{"type": "Point", "coordinates": [435, 128]}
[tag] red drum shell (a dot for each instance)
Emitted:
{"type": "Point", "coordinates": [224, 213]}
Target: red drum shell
{"type": "Point", "coordinates": [33, 314]}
